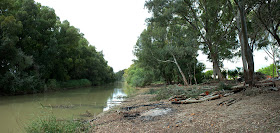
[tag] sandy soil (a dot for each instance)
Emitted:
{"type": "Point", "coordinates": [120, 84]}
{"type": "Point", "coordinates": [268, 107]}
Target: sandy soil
{"type": "Point", "coordinates": [255, 113]}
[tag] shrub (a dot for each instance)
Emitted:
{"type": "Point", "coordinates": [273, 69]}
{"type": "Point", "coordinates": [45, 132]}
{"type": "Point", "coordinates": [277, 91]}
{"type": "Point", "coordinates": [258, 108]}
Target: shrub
{"type": "Point", "coordinates": [52, 84]}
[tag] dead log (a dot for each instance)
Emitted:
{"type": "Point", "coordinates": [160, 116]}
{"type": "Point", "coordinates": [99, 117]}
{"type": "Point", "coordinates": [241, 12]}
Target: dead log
{"type": "Point", "coordinates": [178, 97]}
{"type": "Point", "coordinates": [265, 84]}
{"type": "Point", "coordinates": [239, 88]}
{"type": "Point", "coordinates": [188, 101]}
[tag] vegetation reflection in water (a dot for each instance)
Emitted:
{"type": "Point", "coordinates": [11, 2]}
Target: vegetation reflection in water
{"type": "Point", "coordinates": [83, 103]}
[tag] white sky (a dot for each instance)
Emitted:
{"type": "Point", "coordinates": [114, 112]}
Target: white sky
{"type": "Point", "coordinates": [113, 26]}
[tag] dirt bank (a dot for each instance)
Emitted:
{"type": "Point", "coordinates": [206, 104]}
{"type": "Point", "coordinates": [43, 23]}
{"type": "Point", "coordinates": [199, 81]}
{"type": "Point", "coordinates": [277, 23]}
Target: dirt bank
{"type": "Point", "coordinates": [257, 113]}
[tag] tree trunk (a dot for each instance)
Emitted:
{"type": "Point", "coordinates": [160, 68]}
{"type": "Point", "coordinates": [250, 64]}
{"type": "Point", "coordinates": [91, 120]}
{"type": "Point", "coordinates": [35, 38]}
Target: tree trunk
{"type": "Point", "coordinates": [179, 68]}
{"type": "Point", "coordinates": [277, 38]}
{"type": "Point", "coordinates": [216, 67]}
{"type": "Point", "coordinates": [214, 72]}
{"type": "Point", "coordinates": [244, 61]}
{"type": "Point", "coordinates": [194, 74]}
{"type": "Point", "coordinates": [247, 50]}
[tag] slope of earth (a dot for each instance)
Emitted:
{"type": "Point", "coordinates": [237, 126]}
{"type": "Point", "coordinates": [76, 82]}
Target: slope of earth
{"type": "Point", "coordinates": [254, 113]}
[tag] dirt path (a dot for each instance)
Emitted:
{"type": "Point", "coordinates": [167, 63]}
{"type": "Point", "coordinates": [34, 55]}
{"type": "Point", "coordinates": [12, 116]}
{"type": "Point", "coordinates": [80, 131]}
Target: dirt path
{"type": "Point", "coordinates": [260, 113]}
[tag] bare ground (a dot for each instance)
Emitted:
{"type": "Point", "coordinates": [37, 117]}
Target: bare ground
{"type": "Point", "coordinates": [255, 113]}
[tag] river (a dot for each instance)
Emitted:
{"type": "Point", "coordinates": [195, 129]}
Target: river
{"type": "Point", "coordinates": [16, 112]}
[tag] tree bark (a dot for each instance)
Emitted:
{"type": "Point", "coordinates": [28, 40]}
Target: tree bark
{"type": "Point", "coordinates": [244, 61]}
{"type": "Point", "coordinates": [194, 74]}
{"type": "Point", "coordinates": [247, 49]}
{"type": "Point", "coordinates": [216, 68]}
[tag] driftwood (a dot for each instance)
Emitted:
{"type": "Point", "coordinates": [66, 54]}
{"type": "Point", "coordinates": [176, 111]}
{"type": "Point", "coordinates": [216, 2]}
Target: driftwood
{"type": "Point", "coordinates": [188, 101]}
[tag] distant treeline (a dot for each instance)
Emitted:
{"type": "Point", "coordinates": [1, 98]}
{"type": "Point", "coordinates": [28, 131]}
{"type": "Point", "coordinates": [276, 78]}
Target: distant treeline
{"type": "Point", "coordinates": [40, 52]}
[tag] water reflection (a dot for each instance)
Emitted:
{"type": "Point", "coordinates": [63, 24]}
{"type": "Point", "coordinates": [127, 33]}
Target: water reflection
{"type": "Point", "coordinates": [83, 103]}
{"type": "Point", "coordinates": [116, 99]}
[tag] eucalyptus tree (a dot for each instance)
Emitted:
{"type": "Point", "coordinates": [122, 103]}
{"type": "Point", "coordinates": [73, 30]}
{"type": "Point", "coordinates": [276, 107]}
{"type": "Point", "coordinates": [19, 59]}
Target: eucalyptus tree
{"type": "Point", "coordinates": [211, 20]}
{"type": "Point", "coordinates": [161, 45]}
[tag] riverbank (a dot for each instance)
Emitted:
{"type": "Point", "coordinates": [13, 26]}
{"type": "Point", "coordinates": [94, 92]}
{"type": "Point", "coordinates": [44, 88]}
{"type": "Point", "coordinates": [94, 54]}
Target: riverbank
{"type": "Point", "coordinates": [257, 110]}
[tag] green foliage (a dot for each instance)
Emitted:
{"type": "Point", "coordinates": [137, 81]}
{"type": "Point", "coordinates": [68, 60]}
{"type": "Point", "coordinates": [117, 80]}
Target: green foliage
{"type": "Point", "coordinates": [233, 74]}
{"type": "Point", "coordinates": [138, 77]}
{"type": "Point", "coordinates": [224, 72]}
{"type": "Point", "coordinates": [51, 124]}
{"type": "Point", "coordinates": [208, 74]}
{"type": "Point", "coordinates": [119, 75]}
{"type": "Point", "coordinates": [208, 24]}
{"type": "Point", "coordinates": [38, 50]}
{"type": "Point", "coordinates": [268, 70]}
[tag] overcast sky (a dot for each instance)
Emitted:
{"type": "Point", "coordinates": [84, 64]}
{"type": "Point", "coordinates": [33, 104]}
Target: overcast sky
{"type": "Point", "coordinates": [113, 26]}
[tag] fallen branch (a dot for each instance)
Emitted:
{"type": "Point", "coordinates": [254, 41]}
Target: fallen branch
{"type": "Point", "coordinates": [239, 88]}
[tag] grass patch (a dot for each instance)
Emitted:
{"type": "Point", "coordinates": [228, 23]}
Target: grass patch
{"type": "Point", "coordinates": [50, 124]}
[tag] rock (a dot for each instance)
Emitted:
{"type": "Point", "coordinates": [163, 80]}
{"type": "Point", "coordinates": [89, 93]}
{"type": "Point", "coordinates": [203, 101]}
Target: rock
{"type": "Point", "coordinates": [150, 114]}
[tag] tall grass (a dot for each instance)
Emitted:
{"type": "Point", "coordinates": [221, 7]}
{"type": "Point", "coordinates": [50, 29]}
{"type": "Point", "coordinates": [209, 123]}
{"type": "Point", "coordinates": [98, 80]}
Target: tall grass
{"type": "Point", "coordinates": [51, 124]}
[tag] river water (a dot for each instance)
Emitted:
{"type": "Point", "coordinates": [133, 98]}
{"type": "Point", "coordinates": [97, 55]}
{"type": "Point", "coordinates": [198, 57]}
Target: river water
{"type": "Point", "coordinates": [16, 112]}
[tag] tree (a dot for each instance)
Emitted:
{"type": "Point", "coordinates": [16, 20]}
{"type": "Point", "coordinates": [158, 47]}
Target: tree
{"type": "Point", "coordinates": [246, 51]}
{"type": "Point", "coordinates": [211, 20]}
{"type": "Point", "coordinates": [167, 44]}
{"type": "Point", "coordinates": [273, 52]}
{"type": "Point", "coordinates": [37, 49]}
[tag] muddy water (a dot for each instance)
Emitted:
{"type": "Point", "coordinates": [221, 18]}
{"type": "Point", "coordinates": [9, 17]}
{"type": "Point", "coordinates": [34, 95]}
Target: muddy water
{"type": "Point", "coordinates": [84, 103]}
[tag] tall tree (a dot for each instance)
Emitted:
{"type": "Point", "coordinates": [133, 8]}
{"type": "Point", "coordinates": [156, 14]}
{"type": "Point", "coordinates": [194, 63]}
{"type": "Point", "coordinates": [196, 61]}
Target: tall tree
{"type": "Point", "coordinates": [246, 50]}
{"type": "Point", "coordinates": [211, 20]}
{"type": "Point", "coordinates": [168, 44]}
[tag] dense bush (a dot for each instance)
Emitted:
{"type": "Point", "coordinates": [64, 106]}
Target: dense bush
{"type": "Point", "coordinates": [137, 76]}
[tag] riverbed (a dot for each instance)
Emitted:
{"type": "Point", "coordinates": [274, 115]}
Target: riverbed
{"type": "Point", "coordinates": [16, 112]}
